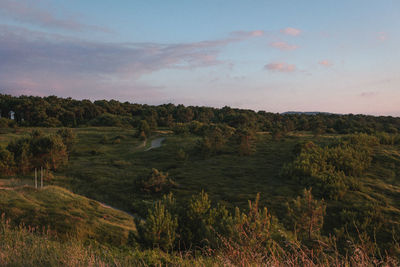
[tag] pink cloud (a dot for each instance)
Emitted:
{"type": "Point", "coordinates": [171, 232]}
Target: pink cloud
{"type": "Point", "coordinates": [257, 33]}
{"type": "Point", "coordinates": [41, 63]}
{"type": "Point", "coordinates": [30, 12]}
{"type": "Point", "coordinates": [280, 67]}
{"type": "Point", "coordinates": [41, 51]}
{"type": "Point", "coordinates": [291, 31]}
{"type": "Point", "coordinates": [283, 46]}
{"type": "Point", "coordinates": [382, 36]}
{"type": "Point", "coordinates": [325, 63]}
{"type": "Point", "coordinates": [247, 34]}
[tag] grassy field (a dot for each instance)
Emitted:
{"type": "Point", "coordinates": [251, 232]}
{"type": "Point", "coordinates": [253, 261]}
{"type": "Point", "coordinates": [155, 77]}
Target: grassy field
{"type": "Point", "coordinates": [107, 163]}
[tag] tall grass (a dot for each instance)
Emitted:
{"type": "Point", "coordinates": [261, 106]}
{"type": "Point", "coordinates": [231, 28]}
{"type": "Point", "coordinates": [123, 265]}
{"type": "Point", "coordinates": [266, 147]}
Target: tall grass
{"type": "Point", "coordinates": [250, 252]}
{"type": "Point", "coordinates": [32, 246]}
{"type": "Point", "coordinates": [27, 246]}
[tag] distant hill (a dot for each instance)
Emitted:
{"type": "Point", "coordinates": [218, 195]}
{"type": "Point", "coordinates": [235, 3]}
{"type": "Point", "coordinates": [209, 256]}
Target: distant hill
{"type": "Point", "coordinates": [69, 214]}
{"type": "Point", "coordinates": [309, 113]}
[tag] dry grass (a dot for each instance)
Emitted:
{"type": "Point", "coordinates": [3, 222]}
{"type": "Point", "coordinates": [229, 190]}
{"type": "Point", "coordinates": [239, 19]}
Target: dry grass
{"type": "Point", "coordinates": [29, 246]}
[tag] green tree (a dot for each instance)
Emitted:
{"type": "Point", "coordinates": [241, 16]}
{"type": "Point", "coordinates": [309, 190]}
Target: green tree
{"type": "Point", "coordinates": [144, 127]}
{"type": "Point", "coordinates": [68, 137]}
{"type": "Point", "coordinates": [49, 152]}
{"type": "Point", "coordinates": [20, 148]}
{"type": "Point", "coordinates": [159, 229]}
{"type": "Point", "coordinates": [306, 216]}
{"type": "Point", "coordinates": [6, 162]}
{"type": "Point", "coordinates": [244, 139]}
{"type": "Point", "coordinates": [198, 219]}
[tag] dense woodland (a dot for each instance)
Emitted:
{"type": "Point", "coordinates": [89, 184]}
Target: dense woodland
{"type": "Point", "coordinates": [228, 186]}
{"type": "Point", "coordinates": [53, 111]}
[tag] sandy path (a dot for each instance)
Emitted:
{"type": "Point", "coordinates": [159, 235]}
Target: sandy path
{"type": "Point", "coordinates": [156, 143]}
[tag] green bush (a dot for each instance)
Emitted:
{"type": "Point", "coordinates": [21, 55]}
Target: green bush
{"type": "Point", "coordinates": [306, 217]}
{"type": "Point", "coordinates": [7, 164]}
{"type": "Point", "coordinates": [7, 123]}
{"type": "Point", "coordinates": [331, 169]}
{"type": "Point", "coordinates": [160, 226]}
{"type": "Point", "coordinates": [157, 181]}
{"type": "Point", "coordinates": [68, 137]}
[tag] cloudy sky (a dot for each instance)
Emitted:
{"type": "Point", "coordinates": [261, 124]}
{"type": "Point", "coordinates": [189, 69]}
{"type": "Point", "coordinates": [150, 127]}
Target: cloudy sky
{"type": "Point", "coordinates": [276, 55]}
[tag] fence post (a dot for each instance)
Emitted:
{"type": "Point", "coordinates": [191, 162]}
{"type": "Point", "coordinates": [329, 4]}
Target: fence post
{"type": "Point", "coordinates": [41, 177]}
{"type": "Point", "coordinates": [35, 178]}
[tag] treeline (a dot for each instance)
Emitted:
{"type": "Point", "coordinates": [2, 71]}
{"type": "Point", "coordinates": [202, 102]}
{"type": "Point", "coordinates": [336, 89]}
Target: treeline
{"type": "Point", "coordinates": [22, 156]}
{"type": "Point", "coordinates": [53, 111]}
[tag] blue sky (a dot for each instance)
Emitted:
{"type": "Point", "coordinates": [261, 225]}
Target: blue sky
{"type": "Point", "coordinates": [335, 56]}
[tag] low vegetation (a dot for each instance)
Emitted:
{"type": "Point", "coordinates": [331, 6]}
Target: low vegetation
{"type": "Point", "coordinates": [326, 187]}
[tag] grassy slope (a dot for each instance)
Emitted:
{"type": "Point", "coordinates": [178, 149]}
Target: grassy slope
{"type": "Point", "coordinates": [70, 215]}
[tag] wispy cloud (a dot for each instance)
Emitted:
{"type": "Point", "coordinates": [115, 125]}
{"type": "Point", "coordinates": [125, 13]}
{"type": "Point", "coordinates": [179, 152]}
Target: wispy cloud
{"type": "Point", "coordinates": [247, 34]}
{"type": "Point", "coordinates": [30, 12]}
{"type": "Point", "coordinates": [31, 60]}
{"type": "Point", "coordinates": [280, 67]}
{"type": "Point", "coordinates": [291, 31]}
{"type": "Point", "coordinates": [283, 46]}
{"type": "Point", "coordinates": [325, 63]}
{"type": "Point", "coordinates": [368, 94]}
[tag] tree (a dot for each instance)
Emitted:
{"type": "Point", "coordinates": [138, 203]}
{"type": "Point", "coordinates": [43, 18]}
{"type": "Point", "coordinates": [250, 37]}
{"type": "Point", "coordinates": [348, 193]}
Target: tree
{"type": "Point", "coordinates": [22, 156]}
{"type": "Point", "coordinates": [159, 228]}
{"type": "Point", "coordinates": [198, 219]}
{"type": "Point", "coordinates": [38, 151]}
{"type": "Point", "coordinates": [48, 151]}
{"type": "Point", "coordinates": [6, 162]}
{"type": "Point", "coordinates": [244, 139]}
{"type": "Point", "coordinates": [68, 137]}
{"type": "Point", "coordinates": [144, 127]}
{"type": "Point", "coordinates": [306, 216]}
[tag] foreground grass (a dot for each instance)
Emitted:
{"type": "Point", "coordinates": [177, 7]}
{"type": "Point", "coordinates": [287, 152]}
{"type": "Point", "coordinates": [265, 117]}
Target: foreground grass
{"type": "Point", "coordinates": [25, 246]}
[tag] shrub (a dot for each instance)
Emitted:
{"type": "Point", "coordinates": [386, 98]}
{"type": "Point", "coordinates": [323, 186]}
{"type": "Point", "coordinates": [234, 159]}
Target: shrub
{"type": "Point", "coordinates": [157, 181]}
{"type": "Point", "coordinates": [68, 137]}
{"type": "Point", "coordinates": [330, 169]}
{"type": "Point", "coordinates": [180, 128]}
{"type": "Point", "coordinates": [7, 123]}
{"type": "Point", "coordinates": [144, 129]}
{"type": "Point", "coordinates": [7, 164]}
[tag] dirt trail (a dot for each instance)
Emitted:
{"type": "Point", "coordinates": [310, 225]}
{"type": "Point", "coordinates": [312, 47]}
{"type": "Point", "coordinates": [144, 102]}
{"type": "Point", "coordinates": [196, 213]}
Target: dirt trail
{"type": "Point", "coordinates": [111, 207]}
{"type": "Point", "coordinates": [156, 143]}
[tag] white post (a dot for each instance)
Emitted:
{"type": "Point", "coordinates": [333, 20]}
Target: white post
{"type": "Point", "coordinates": [41, 177]}
{"type": "Point", "coordinates": [35, 178]}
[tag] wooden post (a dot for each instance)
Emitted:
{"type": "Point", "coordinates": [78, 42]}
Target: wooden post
{"type": "Point", "coordinates": [35, 178]}
{"type": "Point", "coordinates": [41, 177]}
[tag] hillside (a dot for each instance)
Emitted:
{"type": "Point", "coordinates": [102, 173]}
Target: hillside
{"type": "Point", "coordinates": [246, 186]}
{"type": "Point", "coordinates": [68, 215]}
{"type": "Point", "coordinates": [108, 164]}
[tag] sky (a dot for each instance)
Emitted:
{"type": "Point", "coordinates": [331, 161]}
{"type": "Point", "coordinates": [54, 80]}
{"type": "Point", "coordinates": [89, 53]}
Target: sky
{"type": "Point", "coordinates": [337, 56]}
